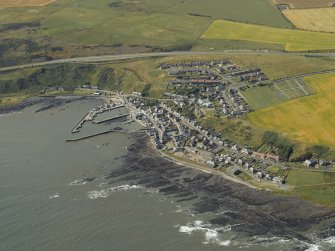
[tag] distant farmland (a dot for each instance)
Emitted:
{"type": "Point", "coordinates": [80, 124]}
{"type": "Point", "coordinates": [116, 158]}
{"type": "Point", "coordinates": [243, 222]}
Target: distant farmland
{"type": "Point", "coordinates": [255, 11]}
{"type": "Point", "coordinates": [308, 119]}
{"type": "Point", "coordinates": [320, 19]}
{"type": "Point", "coordinates": [21, 3]}
{"type": "Point", "coordinates": [293, 40]}
{"type": "Point", "coordinates": [305, 4]}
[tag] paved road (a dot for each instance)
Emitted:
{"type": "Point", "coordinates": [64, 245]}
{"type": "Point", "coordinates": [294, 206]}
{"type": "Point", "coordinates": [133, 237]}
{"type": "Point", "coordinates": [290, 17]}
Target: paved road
{"type": "Point", "coordinates": [108, 58]}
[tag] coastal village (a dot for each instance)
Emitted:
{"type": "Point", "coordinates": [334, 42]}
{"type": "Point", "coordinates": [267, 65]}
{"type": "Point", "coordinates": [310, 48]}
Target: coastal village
{"type": "Point", "coordinates": [194, 89]}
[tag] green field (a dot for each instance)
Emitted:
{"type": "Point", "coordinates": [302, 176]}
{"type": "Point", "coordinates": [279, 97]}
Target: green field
{"type": "Point", "coordinates": [282, 66]}
{"type": "Point", "coordinates": [261, 97]}
{"type": "Point", "coordinates": [96, 27]}
{"type": "Point", "coordinates": [224, 44]}
{"type": "Point", "coordinates": [293, 40]}
{"type": "Point", "coordinates": [321, 194]}
{"type": "Point", "coordinates": [309, 178]}
{"type": "Point", "coordinates": [69, 28]}
{"type": "Point", "coordinates": [255, 11]}
{"type": "Point", "coordinates": [315, 186]}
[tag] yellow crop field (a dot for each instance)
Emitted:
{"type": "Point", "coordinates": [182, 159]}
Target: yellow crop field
{"type": "Point", "coordinates": [293, 40]}
{"type": "Point", "coordinates": [308, 119]}
{"type": "Point", "coordinates": [321, 19]}
{"type": "Point", "coordinates": [22, 3]}
{"type": "Point", "coordinates": [304, 4]}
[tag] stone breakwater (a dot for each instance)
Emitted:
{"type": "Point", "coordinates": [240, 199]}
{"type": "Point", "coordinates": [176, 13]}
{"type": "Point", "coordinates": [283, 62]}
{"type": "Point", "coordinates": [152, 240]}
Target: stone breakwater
{"type": "Point", "coordinates": [250, 212]}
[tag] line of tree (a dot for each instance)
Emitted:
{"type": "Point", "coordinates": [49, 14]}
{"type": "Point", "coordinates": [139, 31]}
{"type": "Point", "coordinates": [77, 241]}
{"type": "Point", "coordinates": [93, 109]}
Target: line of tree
{"type": "Point", "coordinates": [285, 148]}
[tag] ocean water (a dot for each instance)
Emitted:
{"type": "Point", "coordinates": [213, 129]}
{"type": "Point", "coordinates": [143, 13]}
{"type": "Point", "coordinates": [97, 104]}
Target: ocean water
{"type": "Point", "coordinates": [57, 195]}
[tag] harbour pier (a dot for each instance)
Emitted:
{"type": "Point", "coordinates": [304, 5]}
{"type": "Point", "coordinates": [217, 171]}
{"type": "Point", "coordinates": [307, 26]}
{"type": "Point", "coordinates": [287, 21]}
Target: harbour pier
{"type": "Point", "coordinates": [112, 118]}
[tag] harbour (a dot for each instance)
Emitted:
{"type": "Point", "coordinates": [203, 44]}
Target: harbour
{"type": "Point", "coordinates": [104, 191]}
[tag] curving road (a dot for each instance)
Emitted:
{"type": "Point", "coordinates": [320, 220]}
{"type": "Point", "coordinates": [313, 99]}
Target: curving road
{"type": "Point", "coordinates": [110, 58]}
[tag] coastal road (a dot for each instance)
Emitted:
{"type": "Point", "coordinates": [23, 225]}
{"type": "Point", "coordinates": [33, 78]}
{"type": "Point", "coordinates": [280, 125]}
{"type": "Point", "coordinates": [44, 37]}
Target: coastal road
{"type": "Point", "coordinates": [202, 168]}
{"type": "Point", "coordinates": [110, 58]}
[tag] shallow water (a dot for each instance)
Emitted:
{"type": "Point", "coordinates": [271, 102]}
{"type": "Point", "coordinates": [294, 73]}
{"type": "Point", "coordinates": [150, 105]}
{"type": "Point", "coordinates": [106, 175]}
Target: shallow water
{"type": "Point", "coordinates": [73, 196]}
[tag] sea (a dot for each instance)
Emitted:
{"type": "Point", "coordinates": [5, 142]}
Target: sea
{"type": "Point", "coordinates": [112, 192]}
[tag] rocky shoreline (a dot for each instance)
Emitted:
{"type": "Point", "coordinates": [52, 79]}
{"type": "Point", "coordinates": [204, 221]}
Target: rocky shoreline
{"type": "Point", "coordinates": [250, 211]}
{"type": "Point", "coordinates": [45, 102]}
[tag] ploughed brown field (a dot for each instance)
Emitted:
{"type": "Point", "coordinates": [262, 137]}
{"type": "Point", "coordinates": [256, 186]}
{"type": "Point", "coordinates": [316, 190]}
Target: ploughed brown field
{"type": "Point", "coordinates": [22, 3]}
{"type": "Point", "coordinates": [305, 4]}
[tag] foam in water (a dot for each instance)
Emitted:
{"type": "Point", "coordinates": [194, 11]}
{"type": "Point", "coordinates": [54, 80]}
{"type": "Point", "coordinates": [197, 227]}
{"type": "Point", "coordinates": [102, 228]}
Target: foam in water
{"type": "Point", "coordinates": [104, 193]}
{"type": "Point", "coordinates": [266, 242]}
{"type": "Point", "coordinates": [56, 195]}
{"type": "Point", "coordinates": [78, 182]}
{"type": "Point", "coordinates": [211, 234]}
{"type": "Point", "coordinates": [321, 244]}
{"type": "Point", "coordinates": [330, 240]}
{"type": "Point", "coordinates": [313, 247]}
{"type": "Point", "coordinates": [180, 209]}
{"type": "Point", "coordinates": [9, 113]}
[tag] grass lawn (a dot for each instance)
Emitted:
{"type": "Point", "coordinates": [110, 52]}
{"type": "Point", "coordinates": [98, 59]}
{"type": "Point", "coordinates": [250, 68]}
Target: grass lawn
{"type": "Point", "coordinates": [320, 19]}
{"type": "Point", "coordinates": [321, 194]}
{"type": "Point", "coordinates": [314, 186]}
{"type": "Point", "coordinates": [293, 40]}
{"type": "Point", "coordinates": [262, 97]}
{"type": "Point", "coordinates": [245, 176]}
{"type": "Point", "coordinates": [308, 119]}
{"type": "Point", "coordinates": [298, 177]}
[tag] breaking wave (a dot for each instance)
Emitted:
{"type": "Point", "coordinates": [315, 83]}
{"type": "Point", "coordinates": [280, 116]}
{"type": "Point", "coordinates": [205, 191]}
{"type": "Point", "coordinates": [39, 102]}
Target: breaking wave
{"type": "Point", "coordinates": [211, 234]}
{"type": "Point", "coordinates": [56, 195]}
{"type": "Point", "coordinates": [104, 193]}
{"type": "Point", "coordinates": [78, 182]}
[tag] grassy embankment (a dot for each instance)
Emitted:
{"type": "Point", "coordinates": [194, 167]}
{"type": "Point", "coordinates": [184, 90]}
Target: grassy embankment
{"type": "Point", "coordinates": [293, 40]}
{"type": "Point", "coordinates": [132, 75]}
